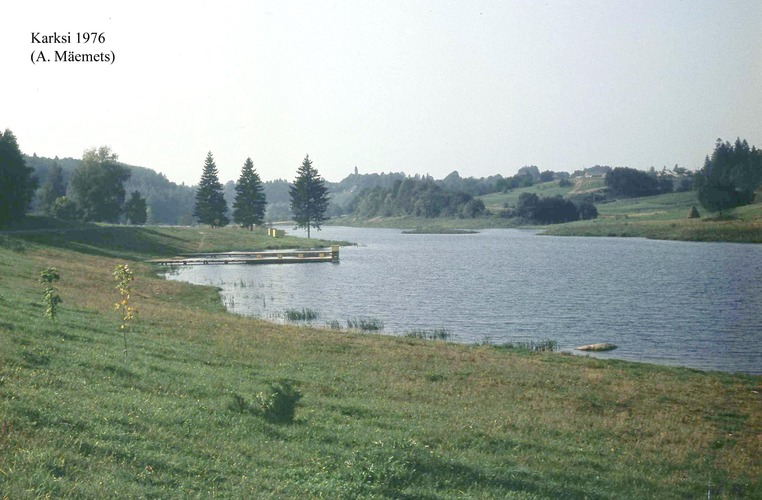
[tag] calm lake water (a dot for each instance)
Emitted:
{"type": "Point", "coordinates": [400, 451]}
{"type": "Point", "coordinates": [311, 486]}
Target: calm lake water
{"type": "Point", "coordinates": [675, 303]}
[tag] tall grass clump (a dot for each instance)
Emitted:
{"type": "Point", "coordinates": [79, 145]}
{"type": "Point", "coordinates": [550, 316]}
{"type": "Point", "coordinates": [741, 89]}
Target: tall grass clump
{"type": "Point", "coordinates": [433, 334]}
{"type": "Point", "coordinates": [365, 324]}
{"type": "Point", "coordinates": [303, 314]}
{"type": "Point", "coordinates": [546, 345]}
{"type": "Point", "coordinates": [334, 324]}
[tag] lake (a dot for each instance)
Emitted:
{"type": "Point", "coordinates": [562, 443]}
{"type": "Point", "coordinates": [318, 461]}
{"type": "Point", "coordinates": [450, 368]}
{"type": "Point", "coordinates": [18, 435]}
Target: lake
{"type": "Point", "coordinates": [677, 303]}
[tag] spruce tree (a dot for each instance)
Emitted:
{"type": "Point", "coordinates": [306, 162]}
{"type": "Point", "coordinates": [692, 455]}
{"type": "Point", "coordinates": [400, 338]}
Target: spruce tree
{"type": "Point", "coordinates": [250, 201]}
{"type": "Point", "coordinates": [136, 209]}
{"type": "Point", "coordinates": [730, 176]}
{"type": "Point", "coordinates": [210, 202]}
{"type": "Point", "coordinates": [309, 197]}
{"type": "Point", "coordinates": [54, 188]}
{"type": "Point", "coordinates": [17, 181]}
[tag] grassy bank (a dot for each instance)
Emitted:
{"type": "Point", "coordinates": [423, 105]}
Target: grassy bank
{"type": "Point", "coordinates": [175, 415]}
{"type": "Point", "coordinates": [143, 242]}
{"type": "Point", "coordinates": [665, 217]}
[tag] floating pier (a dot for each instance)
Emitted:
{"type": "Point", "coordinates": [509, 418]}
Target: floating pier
{"type": "Point", "coordinates": [267, 257]}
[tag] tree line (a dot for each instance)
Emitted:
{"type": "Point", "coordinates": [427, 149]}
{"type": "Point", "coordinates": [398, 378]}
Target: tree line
{"type": "Point", "coordinates": [96, 188]}
{"type": "Point", "coordinates": [308, 197]}
{"type": "Point", "coordinates": [551, 209]}
{"type": "Point", "coordinates": [729, 176]}
{"type": "Point", "coordinates": [95, 191]}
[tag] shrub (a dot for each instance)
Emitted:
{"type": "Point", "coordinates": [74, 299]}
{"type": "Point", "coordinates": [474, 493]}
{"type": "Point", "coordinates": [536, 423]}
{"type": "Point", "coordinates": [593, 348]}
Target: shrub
{"type": "Point", "coordinates": [238, 404]}
{"type": "Point", "coordinates": [65, 209]}
{"type": "Point", "coordinates": [279, 405]}
{"type": "Point", "coordinates": [546, 210]}
{"type": "Point", "coordinates": [587, 211]}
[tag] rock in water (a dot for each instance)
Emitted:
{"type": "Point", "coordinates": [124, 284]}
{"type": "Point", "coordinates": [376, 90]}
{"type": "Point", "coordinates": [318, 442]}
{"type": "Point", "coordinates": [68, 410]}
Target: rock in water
{"type": "Point", "coordinates": [597, 347]}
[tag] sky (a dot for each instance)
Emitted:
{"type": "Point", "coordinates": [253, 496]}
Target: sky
{"type": "Point", "coordinates": [423, 87]}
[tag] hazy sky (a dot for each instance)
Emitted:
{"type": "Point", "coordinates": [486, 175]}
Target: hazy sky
{"type": "Point", "coordinates": [413, 86]}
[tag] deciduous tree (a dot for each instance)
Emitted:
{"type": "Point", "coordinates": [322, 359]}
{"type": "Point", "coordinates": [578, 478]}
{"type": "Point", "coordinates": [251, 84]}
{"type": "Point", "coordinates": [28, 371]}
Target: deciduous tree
{"type": "Point", "coordinates": [17, 180]}
{"type": "Point", "coordinates": [624, 181]}
{"type": "Point", "coordinates": [97, 186]}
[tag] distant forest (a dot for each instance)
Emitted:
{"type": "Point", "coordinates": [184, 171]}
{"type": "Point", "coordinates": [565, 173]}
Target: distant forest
{"type": "Point", "coordinates": [363, 195]}
{"type": "Point", "coordinates": [98, 185]}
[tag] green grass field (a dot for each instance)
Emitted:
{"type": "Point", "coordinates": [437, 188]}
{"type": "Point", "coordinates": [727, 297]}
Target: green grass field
{"type": "Point", "coordinates": [666, 217]}
{"type": "Point", "coordinates": [380, 417]}
{"type": "Point", "coordinates": [497, 202]}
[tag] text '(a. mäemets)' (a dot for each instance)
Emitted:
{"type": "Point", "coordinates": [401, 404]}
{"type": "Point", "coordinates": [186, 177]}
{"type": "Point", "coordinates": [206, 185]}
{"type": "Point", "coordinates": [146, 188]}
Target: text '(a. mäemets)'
{"type": "Point", "coordinates": [81, 38]}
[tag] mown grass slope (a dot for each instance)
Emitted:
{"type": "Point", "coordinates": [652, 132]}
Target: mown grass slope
{"type": "Point", "coordinates": [379, 417]}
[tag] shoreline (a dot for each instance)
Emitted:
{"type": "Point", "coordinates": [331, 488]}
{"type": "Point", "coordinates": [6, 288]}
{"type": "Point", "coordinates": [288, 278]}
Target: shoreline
{"type": "Point", "coordinates": [699, 230]}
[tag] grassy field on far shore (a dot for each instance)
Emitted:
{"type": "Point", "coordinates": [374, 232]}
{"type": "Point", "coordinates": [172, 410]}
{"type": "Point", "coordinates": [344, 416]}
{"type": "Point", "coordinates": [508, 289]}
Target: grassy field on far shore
{"type": "Point", "coordinates": [662, 217]}
{"type": "Point", "coordinates": [177, 413]}
{"type": "Point", "coordinates": [665, 217]}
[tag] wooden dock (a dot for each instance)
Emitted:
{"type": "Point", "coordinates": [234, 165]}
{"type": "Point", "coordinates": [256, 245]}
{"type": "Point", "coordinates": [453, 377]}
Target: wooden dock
{"type": "Point", "coordinates": [265, 257]}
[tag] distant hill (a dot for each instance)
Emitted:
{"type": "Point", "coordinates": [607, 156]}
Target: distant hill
{"type": "Point", "coordinates": [345, 191]}
{"type": "Point", "coordinates": [168, 202]}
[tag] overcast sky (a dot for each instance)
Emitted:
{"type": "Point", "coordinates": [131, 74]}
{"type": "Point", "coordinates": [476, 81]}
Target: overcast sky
{"type": "Point", "coordinates": [413, 86]}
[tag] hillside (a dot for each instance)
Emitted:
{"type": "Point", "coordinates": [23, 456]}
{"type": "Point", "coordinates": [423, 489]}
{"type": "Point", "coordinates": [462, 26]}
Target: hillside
{"type": "Point", "coordinates": [666, 217]}
{"type": "Point", "coordinates": [177, 413]}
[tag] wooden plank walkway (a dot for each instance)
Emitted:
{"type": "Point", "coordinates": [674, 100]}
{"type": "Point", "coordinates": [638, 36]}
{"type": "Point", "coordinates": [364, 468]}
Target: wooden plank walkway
{"type": "Point", "coordinates": [267, 257]}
